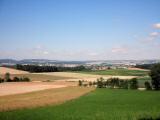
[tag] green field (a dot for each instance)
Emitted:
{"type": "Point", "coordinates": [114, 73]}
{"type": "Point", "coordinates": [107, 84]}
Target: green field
{"type": "Point", "coordinates": [118, 72]}
{"type": "Point", "coordinates": [101, 104]}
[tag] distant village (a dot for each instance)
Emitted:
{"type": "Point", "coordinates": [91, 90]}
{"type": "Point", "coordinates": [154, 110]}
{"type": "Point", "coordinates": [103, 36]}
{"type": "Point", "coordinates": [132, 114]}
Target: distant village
{"type": "Point", "coordinates": [92, 65]}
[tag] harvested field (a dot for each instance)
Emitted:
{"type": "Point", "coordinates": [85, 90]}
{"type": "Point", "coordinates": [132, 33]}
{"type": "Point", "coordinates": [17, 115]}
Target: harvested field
{"type": "Point", "coordinates": [4, 70]}
{"type": "Point", "coordinates": [39, 77]}
{"type": "Point", "coordinates": [133, 68]}
{"type": "Point", "coordinates": [23, 87]}
{"type": "Point", "coordinates": [82, 76]}
{"type": "Point", "coordinates": [41, 98]}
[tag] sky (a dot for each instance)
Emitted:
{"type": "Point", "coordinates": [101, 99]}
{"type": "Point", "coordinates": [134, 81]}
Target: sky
{"type": "Point", "coordinates": [80, 29]}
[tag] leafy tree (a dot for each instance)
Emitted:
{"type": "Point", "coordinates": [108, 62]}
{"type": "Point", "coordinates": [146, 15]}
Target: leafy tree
{"type": "Point", "coordinates": [25, 79]}
{"type": "Point", "coordinates": [147, 85]}
{"type": "Point", "coordinates": [100, 83]}
{"type": "Point", "coordinates": [80, 83]}
{"type": "Point", "coordinates": [1, 80]}
{"type": "Point", "coordinates": [16, 79]}
{"type": "Point", "coordinates": [133, 83]}
{"type": "Point", "coordinates": [123, 84]}
{"type": "Point", "coordinates": [7, 77]}
{"type": "Point", "coordinates": [90, 83]}
{"type": "Point", "coordinates": [155, 75]}
{"type": "Point", "coordinates": [113, 82]}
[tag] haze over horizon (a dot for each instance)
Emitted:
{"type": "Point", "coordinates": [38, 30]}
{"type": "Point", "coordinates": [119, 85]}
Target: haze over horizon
{"type": "Point", "coordinates": [80, 29]}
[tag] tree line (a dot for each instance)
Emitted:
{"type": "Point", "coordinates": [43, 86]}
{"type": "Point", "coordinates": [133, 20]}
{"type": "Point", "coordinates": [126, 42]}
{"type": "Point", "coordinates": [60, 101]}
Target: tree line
{"type": "Point", "coordinates": [145, 66]}
{"type": "Point", "coordinates": [128, 84]}
{"type": "Point", "coordinates": [7, 78]}
{"type": "Point", "coordinates": [36, 68]}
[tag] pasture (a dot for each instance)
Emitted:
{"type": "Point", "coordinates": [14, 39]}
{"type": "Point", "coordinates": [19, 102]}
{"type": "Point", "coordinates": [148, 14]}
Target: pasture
{"type": "Point", "coordinates": [101, 104]}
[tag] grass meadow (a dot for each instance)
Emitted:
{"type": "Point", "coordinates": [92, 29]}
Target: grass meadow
{"type": "Point", "coordinates": [101, 104]}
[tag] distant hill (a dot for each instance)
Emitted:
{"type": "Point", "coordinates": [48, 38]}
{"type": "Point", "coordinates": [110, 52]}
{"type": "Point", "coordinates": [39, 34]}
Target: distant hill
{"type": "Point", "coordinates": [90, 62]}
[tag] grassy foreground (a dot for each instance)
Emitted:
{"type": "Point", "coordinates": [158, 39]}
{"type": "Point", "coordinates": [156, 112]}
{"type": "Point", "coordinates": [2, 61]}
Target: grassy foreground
{"type": "Point", "coordinates": [101, 104]}
{"type": "Point", "coordinates": [117, 72]}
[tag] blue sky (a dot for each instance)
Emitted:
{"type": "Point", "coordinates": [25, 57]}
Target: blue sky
{"type": "Point", "coordinates": [80, 29]}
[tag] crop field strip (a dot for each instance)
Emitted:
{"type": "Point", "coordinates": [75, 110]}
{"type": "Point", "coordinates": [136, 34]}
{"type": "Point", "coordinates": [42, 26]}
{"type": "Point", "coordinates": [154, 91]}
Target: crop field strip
{"type": "Point", "coordinates": [101, 104]}
{"type": "Point", "coordinates": [118, 72]}
{"type": "Point", "coordinates": [41, 98]}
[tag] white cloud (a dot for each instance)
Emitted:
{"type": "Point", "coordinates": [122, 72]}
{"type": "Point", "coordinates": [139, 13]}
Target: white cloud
{"type": "Point", "coordinates": [119, 50]}
{"type": "Point", "coordinates": [45, 52]}
{"type": "Point", "coordinates": [157, 25]}
{"type": "Point", "coordinates": [154, 34]}
{"type": "Point", "coordinates": [93, 54]}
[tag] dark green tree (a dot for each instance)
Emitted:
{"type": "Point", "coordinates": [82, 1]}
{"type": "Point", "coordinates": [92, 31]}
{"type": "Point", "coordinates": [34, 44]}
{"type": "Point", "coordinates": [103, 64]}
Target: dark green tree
{"type": "Point", "coordinates": [133, 83]}
{"type": "Point", "coordinates": [155, 75]}
{"type": "Point", "coordinates": [147, 85]}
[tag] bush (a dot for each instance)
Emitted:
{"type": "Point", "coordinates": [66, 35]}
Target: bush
{"type": "Point", "coordinates": [16, 79]}
{"type": "Point", "coordinates": [123, 84]}
{"type": "Point", "coordinates": [1, 80]}
{"type": "Point", "coordinates": [25, 79]}
{"type": "Point", "coordinates": [133, 83]}
{"type": "Point", "coordinates": [90, 83]}
{"type": "Point", "coordinates": [7, 77]}
{"type": "Point", "coordinates": [147, 85]}
{"type": "Point", "coordinates": [113, 82]}
{"type": "Point", "coordinates": [100, 83]}
{"type": "Point", "coordinates": [80, 83]}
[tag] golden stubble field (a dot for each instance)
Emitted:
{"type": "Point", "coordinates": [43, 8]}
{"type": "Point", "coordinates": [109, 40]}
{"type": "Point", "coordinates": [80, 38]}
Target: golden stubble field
{"type": "Point", "coordinates": [81, 76]}
{"type": "Point", "coordinates": [42, 98]}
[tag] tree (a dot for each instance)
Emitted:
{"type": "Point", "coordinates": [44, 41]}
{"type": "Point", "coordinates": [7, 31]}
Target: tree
{"type": "Point", "coordinates": [90, 83]}
{"type": "Point", "coordinates": [15, 79]}
{"type": "Point", "coordinates": [100, 83]}
{"type": "Point", "coordinates": [155, 75]}
{"type": "Point", "coordinates": [133, 83]}
{"type": "Point", "coordinates": [147, 85]}
{"type": "Point", "coordinates": [123, 84]}
{"type": "Point", "coordinates": [25, 79]}
{"type": "Point", "coordinates": [80, 82]}
{"type": "Point", "coordinates": [1, 80]}
{"type": "Point", "coordinates": [7, 77]}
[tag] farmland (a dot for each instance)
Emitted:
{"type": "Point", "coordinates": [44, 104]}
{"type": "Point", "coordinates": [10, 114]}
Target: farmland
{"type": "Point", "coordinates": [101, 104]}
{"type": "Point", "coordinates": [39, 77]}
{"type": "Point", "coordinates": [117, 72]}
{"type": "Point", "coordinates": [41, 97]}
{"type": "Point", "coordinates": [56, 97]}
